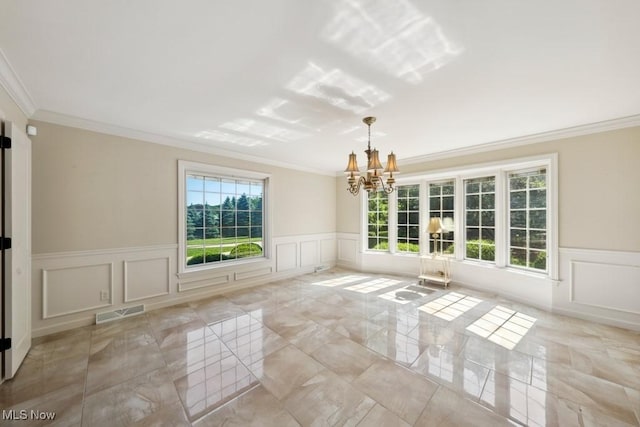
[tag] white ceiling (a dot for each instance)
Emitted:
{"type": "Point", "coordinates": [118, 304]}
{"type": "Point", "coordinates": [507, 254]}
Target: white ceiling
{"type": "Point", "coordinates": [290, 80]}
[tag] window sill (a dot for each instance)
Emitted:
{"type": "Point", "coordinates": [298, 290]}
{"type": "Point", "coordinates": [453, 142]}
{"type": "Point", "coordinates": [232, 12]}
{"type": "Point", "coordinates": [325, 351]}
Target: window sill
{"type": "Point", "coordinates": [403, 254]}
{"type": "Point", "coordinates": [542, 275]}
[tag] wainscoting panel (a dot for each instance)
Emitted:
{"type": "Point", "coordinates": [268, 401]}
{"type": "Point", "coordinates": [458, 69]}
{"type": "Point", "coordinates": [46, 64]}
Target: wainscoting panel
{"type": "Point", "coordinates": [348, 249]}
{"type": "Point", "coordinates": [241, 275]}
{"type": "Point", "coordinates": [599, 285]}
{"type": "Point", "coordinates": [309, 253]}
{"type": "Point", "coordinates": [286, 256]}
{"type": "Point", "coordinates": [146, 278]}
{"type": "Point", "coordinates": [185, 285]}
{"type": "Point", "coordinates": [71, 290]}
{"type": "Point", "coordinates": [609, 286]}
{"type": "Point", "coordinates": [327, 250]}
{"type": "Point", "coordinates": [312, 251]}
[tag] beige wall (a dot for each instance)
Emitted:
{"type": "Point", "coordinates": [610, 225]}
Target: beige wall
{"type": "Point", "coordinates": [10, 111]}
{"type": "Point", "coordinates": [599, 183]}
{"type": "Point", "coordinates": [347, 215]}
{"type": "Point", "coordinates": [97, 191]}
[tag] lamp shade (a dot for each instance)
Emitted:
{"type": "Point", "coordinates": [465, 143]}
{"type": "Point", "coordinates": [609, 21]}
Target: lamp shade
{"type": "Point", "coordinates": [392, 166]}
{"type": "Point", "coordinates": [374, 162]}
{"type": "Point", "coordinates": [435, 225]}
{"type": "Point", "coordinates": [352, 166]}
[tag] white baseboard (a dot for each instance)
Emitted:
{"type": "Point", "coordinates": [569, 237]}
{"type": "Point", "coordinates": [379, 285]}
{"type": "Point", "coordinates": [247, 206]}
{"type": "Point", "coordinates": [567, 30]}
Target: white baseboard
{"type": "Point", "coordinates": [606, 320]}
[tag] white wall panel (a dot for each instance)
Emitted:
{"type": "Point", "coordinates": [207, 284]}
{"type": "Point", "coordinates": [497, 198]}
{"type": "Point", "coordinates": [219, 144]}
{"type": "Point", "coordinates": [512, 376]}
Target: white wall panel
{"type": "Point", "coordinates": [609, 286]}
{"type": "Point", "coordinates": [309, 253]}
{"type": "Point", "coordinates": [241, 275]}
{"type": "Point", "coordinates": [286, 256]}
{"type": "Point", "coordinates": [71, 290]}
{"type": "Point", "coordinates": [347, 250]}
{"type": "Point", "coordinates": [187, 285]}
{"type": "Point", "coordinates": [146, 278]}
{"type": "Point", "coordinates": [603, 286]}
{"type": "Point", "coordinates": [327, 250]}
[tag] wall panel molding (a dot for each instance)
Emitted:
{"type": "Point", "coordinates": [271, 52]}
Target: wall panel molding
{"type": "Point", "coordinates": [202, 283]}
{"type": "Point", "coordinates": [146, 278]}
{"type": "Point", "coordinates": [606, 285]}
{"type": "Point", "coordinates": [149, 275]}
{"type": "Point", "coordinates": [599, 285]}
{"type": "Point", "coordinates": [328, 250]}
{"type": "Point", "coordinates": [74, 289]}
{"type": "Point", "coordinates": [309, 253]}
{"type": "Point", "coordinates": [286, 256]}
{"type": "Point", "coordinates": [242, 275]}
{"type": "Point", "coordinates": [347, 249]}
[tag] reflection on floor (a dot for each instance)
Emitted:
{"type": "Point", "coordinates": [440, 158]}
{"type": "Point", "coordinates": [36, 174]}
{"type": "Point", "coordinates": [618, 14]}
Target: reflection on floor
{"type": "Point", "coordinates": [335, 348]}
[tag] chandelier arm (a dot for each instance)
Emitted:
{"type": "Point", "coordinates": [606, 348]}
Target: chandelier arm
{"type": "Point", "coordinates": [388, 189]}
{"type": "Point", "coordinates": [355, 188]}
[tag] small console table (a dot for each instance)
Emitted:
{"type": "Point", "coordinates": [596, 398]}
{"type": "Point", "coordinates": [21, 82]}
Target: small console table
{"type": "Point", "coordinates": [435, 269]}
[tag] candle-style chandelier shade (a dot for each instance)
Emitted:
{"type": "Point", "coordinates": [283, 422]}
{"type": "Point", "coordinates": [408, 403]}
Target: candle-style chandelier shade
{"type": "Point", "coordinates": [375, 177]}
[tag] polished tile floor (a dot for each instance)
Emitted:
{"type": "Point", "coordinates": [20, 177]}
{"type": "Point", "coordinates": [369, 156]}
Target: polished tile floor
{"type": "Point", "coordinates": [335, 348]}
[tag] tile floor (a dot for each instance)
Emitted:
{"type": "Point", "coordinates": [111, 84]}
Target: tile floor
{"type": "Point", "coordinates": [335, 348]}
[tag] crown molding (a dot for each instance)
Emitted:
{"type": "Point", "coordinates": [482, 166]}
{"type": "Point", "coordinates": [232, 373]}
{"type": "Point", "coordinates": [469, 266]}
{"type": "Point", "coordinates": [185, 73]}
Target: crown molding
{"type": "Point", "coordinates": [15, 88]}
{"type": "Point", "coordinates": [185, 144]}
{"type": "Point", "coordinates": [100, 127]}
{"type": "Point", "coordinates": [580, 130]}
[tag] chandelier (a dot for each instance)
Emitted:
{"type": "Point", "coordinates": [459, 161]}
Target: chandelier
{"type": "Point", "coordinates": [374, 180]}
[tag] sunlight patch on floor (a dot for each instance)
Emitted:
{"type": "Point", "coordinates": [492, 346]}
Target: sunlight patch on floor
{"type": "Point", "coordinates": [503, 326]}
{"type": "Point", "coordinates": [450, 306]}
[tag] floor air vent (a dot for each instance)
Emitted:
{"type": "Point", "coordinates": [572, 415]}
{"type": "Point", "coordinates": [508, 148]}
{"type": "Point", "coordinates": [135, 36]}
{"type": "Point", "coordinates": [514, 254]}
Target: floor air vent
{"type": "Point", "coordinates": [109, 316]}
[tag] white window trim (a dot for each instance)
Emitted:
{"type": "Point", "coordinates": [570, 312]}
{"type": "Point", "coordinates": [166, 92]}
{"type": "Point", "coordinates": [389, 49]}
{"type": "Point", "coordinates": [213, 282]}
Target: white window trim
{"type": "Point", "coordinates": [393, 219]}
{"type": "Point", "coordinates": [499, 169]}
{"type": "Point", "coordinates": [187, 167]}
{"type": "Point", "coordinates": [392, 224]}
{"type": "Point", "coordinates": [459, 206]}
{"type": "Point", "coordinates": [427, 211]}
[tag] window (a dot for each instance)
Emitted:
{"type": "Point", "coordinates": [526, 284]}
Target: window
{"type": "Point", "coordinates": [480, 218]}
{"type": "Point", "coordinates": [223, 217]}
{"type": "Point", "coordinates": [441, 205]}
{"type": "Point", "coordinates": [502, 214]}
{"type": "Point", "coordinates": [528, 219]}
{"type": "Point", "coordinates": [378, 221]}
{"type": "Point", "coordinates": [408, 240]}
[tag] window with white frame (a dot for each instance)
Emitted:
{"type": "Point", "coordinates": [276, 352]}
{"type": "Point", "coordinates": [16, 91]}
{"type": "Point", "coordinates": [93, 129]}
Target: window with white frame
{"type": "Point", "coordinates": [378, 221]}
{"type": "Point", "coordinates": [222, 216]}
{"type": "Point", "coordinates": [408, 207]}
{"type": "Point", "coordinates": [480, 218]}
{"type": "Point", "coordinates": [528, 219]}
{"type": "Point", "coordinates": [442, 205]}
{"type": "Point", "coordinates": [503, 214]}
